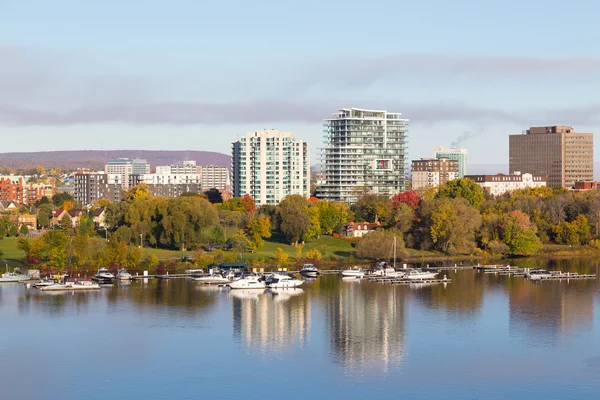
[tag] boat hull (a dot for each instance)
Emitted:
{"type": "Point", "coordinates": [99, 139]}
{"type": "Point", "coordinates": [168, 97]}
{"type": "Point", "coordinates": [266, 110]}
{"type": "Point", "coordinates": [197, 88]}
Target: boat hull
{"type": "Point", "coordinates": [286, 284]}
{"type": "Point", "coordinates": [60, 287]}
{"type": "Point", "coordinates": [240, 284]}
{"type": "Point", "coordinates": [211, 280]}
{"type": "Point", "coordinates": [310, 274]}
{"type": "Point", "coordinates": [420, 277]}
{"type": "Point", "coordinates": [354, 274]}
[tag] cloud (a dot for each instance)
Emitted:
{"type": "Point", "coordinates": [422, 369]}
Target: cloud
{"type": "Point", "coordinates": [365, 71]}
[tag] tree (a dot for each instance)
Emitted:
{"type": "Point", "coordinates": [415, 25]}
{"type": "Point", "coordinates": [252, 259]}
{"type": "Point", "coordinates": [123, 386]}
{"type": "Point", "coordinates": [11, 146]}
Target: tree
{"type": "Point", "coordinates": [379, 245]}
{"type": "Point", "coordinates": [314, 227]}
{"type": "Point", "coordinates": [573, 233]}
{"type": "Point", "coordinates": [24, 230]}
{"type": "Point", "coordinates": [314, 254]}
{"type": "Point", "coordinates": [402, 218]}
{"type": "Point", "coordinates": [44, 214]}
{"type": "Point", "coordinates": [13, 231]}
{"type": "Point", "coordinates": [463, 188]}
{"type": "Point", "coordinates": [68, 205]}
{"type": "Point", "coordinates": [372, 208]}
{"type": "Point", "coordinates": [409, 198]}
{"type": "Point", "coordinates": [3, 231]}
{"type": "Point", "coordinates": [519, 234]}
{"type": "Point", "coordinates": [66, 223]}
{"type": "Point", "coordinates": [453, 223]}
{"type": "Point", "coordinates": [248, 204]}
{"type": "Point", "coordinates": [59, 198]}
{"type": "Point", "coordinates": [257, 228]}
{"type": "Point", "coordinates": [214, 196]}
{"type": "Point", "coordinates": [332, 215]}
{"type": "Point", "coordinates": [293, 215]}
{"type": "Point", "coordinates": [123, 234]}
{"type": "Point", "coordinates": [281, 258]}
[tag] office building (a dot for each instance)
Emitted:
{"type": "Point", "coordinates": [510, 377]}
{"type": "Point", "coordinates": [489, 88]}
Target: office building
{"type": "Point", "coordinates": [187, 167]}
{"type": "Point", "coordinates": [453, 153]}
{"type": "Point", "coordinates": [555, 151]}
{"type": "Point", "coordinates": [269, 165]}
{"type": "Point", "coordinates": [500, 183]}
{"type": "Point", "coordinates": [365, 151]}
{"type": "Point", "coordinates": [432, 172]}
{"type": "Point", "coordinates": [126, 167]}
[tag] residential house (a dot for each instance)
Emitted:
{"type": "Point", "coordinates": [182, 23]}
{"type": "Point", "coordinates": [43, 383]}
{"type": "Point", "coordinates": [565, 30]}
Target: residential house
{"type": "Point", "coordinates": [358, 230]}
{"type": "Point", "coordinates": [6, 205]}
{"type": "Point", "coordinates": [99, 217]}
{"type": "Point", "coordinates": [29, 220]}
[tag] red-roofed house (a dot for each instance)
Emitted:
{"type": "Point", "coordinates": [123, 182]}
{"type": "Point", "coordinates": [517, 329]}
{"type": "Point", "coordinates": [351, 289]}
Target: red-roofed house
{"type": "Point", "coordinates": [359, 229]}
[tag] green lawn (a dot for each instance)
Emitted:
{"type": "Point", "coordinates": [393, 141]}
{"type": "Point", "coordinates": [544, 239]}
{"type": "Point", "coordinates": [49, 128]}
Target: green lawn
{"type": "Point", "coordinates": [9, 248]}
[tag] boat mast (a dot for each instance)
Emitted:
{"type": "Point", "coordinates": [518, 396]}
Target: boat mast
{"type": "Point", "coordinates": [394, 252]}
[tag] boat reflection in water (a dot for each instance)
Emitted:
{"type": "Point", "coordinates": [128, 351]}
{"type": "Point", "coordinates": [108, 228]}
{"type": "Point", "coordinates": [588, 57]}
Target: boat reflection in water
{"type": "Point", "coordinates": [367, 325]}
{"type": "Point", "coordinates": [271, 320]}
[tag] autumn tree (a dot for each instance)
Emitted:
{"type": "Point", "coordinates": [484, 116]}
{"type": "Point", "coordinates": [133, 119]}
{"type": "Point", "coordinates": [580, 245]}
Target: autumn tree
{"type": "Point", "coordinates": [281, 258]}
{"type": "Point", "coordinates": [44, 215]}
{"type": "Point", "coordinates": [519, 233]}
{"type": "Point", "coordinates": [66, 223]}
{"type": "Point", "coordinates": [372, 208]}
{"type": "Point", "coordinates": [379, 245]}
{"type": "Point", "coordinates": [332, 215]}
{"type": "Point", "coordinates": [409, 198]}
{"type": "Point", "coordinates": [257, 229]}
{"type": "Point", "coordinates": [248, 204]}
{"type": "Point", "coordinates": [463, 188]}
{"type": "Point", "coordinates": [453, 224]}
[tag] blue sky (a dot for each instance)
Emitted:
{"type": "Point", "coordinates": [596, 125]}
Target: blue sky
{"type": "Point", "coordinates": [183, 74]}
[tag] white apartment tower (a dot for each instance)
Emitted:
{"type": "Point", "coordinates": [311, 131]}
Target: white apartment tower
{"type": "Point", "coordinates": [269, 165]}
{"type": "Point", "coordinates": [365, 152]}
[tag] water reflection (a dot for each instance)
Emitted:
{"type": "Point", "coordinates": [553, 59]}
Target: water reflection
{"type": "Point", "coordinates": [366, 324]}
{"type": "Point", "coordinates": [548, 310]}
{"type": "Point", "coordinates": [271, 320]}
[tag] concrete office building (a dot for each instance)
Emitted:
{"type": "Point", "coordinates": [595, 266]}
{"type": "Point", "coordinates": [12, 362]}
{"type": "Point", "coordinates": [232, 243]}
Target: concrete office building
{"type": "Point", "coordinates": [453, 153]}
{"type": "Point", "coordinates": [555, 151]}
{"type": "Point", "coordinates": [269, 165]}
{"type": "Point", "coordinates": [432, 172]}
{"type": "Point", "coordinates": [365, 152]}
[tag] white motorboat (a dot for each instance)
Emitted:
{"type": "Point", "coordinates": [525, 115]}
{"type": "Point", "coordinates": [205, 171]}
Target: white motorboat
{"type": "Point", "coordinates": [354, 273]}
{"type": "Point", "coordinates": [14, 277]}
{"type": "Point", "coordinates": [212, 279]}
{"type": "Point", "coordinates": [44, 283]}
{"type": "Point", "coordinates": [538, 275]}
{"type": "Point", "coordinates": [418, 274]}
{"type": "Point", "coordinates": [104, 275]}
{"type": "Point", "coordinates": [123, 275]}
{"type": "Point", "coordinates": [70, 286]}
{"type": "Point", "coordinates": [309, 270]}
{"type": "Point", "coordinates": [248, 282]}
{"type": "Point", "coordinates": [282, 281]}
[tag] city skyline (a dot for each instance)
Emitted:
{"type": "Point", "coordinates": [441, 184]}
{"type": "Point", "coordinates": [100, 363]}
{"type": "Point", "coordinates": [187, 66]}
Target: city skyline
{"type": "Point", "coordinates": [151, 81]}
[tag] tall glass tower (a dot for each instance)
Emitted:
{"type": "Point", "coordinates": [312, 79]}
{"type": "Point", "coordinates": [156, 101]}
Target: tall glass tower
{"type": "Point", "coordinates": [452, 153]}
{"type": "Point", "coordinates": [365, 152]}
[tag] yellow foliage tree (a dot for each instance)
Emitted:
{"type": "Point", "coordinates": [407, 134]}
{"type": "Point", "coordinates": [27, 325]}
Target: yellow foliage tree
{"type": "Point", "coordinates": [314, 254]}
{"type": "Point", "coordinates": [281, 258]}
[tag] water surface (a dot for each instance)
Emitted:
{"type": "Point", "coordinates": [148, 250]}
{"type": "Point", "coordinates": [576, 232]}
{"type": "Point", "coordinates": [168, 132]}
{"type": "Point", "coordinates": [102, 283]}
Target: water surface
{"type": "Point", "coordinates": [479, 337]}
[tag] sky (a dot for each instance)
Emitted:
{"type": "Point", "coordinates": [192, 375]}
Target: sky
{"type": "Point", "coordinates": [194, 74]}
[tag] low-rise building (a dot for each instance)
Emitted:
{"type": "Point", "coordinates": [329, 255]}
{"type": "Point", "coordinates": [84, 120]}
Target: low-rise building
{"type": "Point", "coordinates": [6, 205]}
{"type": "Point", "coordinates": [99, 217]}
{"type": "Point", "coordinates": [15, 188]}
{"type": "Point", "coordinates": [500, 183]}
{"type": "Point", "coordinates": [358, 230]}
{"type": "Point", "coordinates": [432, 172]}
{"type": "Point", "coordinates": [29, 220]}
{"type": "Point", "coordinates": [582, 186]}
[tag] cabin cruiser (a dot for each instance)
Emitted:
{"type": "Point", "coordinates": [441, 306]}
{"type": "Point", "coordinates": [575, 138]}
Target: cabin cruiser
{"type": "Point", "coordinates": [123, 275]}
{"type": "Point", "coordinates": [212, 279]}
{"type": "Point", "coordinates": [355, 272]}
{"type": "Point", "coordinates": [309, 270]}
{"type": "Point", "coordinates": [538, 275]}
{"type": "Point", "coordinates": [418, 274]}
{"type": "Point", "coordinates": [103, 276]}
{"type": "Point", "coordinates": [248, 282]}
{"type": "Point", "coordinates": [383, 269]}
{"type": "Point", "coordinates": [14, 277]}
{"type": "Point", "coordinates": [44, 283]}
{"type": "Point", "coordinates": [282, 281]}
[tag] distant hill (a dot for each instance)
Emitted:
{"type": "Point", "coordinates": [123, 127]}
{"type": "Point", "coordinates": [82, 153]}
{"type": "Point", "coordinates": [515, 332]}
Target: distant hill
{"type": "Point", "coordinates": [95, 159]}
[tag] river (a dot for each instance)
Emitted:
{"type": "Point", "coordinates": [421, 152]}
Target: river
{"type": "Point", "coordinates": [480, 336]}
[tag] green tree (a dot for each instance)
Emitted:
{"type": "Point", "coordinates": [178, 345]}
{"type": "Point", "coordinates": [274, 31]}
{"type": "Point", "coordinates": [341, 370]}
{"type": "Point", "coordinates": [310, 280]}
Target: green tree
{"type": "Point", "coordinates": [214, 196]}
{"type": "Point", "coordinates": [44, 215]}
{"type": "Point", "coordinates": [13, 231]}
{"type": "Point", "coordinates": [66, 223]}
{"type": "Point", "coordinates": [519, 234]}
{"type": "Point", "coordinates": [314, 227]}
{"type": "Point", "coordinates": [56, 248]}
{"type": "Point", "coordinates": [24, 231]}
{"type": "Point", "coordinates": [292, 212]}
{"type": "Point", "coordinates": [332, 215]}
{"type": "Point", "coordinates": [372, 208]}
{"type": "Point", "coordinates": [59, 198]}
{"type": "Point", "coordinates": [3, 231]}
{"type": "Point", "coordinates": [463, 188]}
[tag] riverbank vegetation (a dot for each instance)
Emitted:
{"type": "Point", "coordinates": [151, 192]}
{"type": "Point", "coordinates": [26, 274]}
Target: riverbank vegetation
{"type": "Point", "coordinates": [457, 220]}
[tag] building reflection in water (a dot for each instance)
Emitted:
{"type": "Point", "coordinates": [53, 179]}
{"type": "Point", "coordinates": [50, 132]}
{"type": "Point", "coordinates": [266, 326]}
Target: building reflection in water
{"type": "Point", "coordinates": [367, 325]}
{"type": "Point", "coordinates": [271, 320]}
{"type": "Point", "coordinates": [551, 309]}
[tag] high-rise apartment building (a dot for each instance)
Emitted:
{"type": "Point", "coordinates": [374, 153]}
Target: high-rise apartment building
{"type": "Point", "coordinates": [365, 152]}
{"type": "Point", "coordinates": [214, 177]}
{"type": "Point", "coordinates": [556, 151]}
{"type": "Point", "coordinates": [187, 167]}
{"type": "Point", "coordinates": [126, 167]}
{"type": "Point", "coordinates": [269, 165]}
{"type": "Point", "coordinates": [453, 153]}
{"type": "Point", "coordinates": [432, 172]}
{"type": "Point", "coordinates": [93, 186]}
